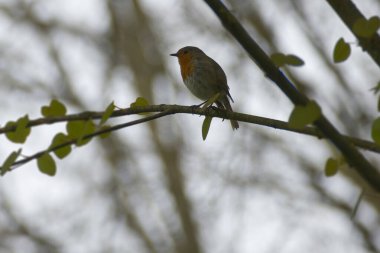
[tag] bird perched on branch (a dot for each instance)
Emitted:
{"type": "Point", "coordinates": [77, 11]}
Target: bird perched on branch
{"type": "Point", "coordinates": [205, 78]}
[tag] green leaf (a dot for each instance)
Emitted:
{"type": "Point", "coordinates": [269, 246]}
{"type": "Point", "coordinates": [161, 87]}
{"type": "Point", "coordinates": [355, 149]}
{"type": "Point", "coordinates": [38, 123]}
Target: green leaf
{"type": "Point", "coordinates": [78, 129]}
{"type": "Point", "coordinates": [304, 115]}
{"type": "Point", "coordinates": [342, 51]}
{"type": "Point", "coordinates": [74, 129]}
{"type": "Point", "coordinates": [376, 130]}
{"type": "Point", "coordinates": [331, 167]}
{"type": "Point", "coordinates": [89, 128]}
{"type": "Point", "coordinates": [55, 108]}
{"type": "Point", "coordinates": [294, 60]}
{"type": "Point", "coordinates": [59, 139]}
{"type": "Point", "coordinates": [366, 28]}
{"type": "Point", "coordinates": [46, 164]}
{"type": "Point", "coordinates": [21, 133]}
{"type": "Point", "coordinates": [378, 104]}
{"type": "Point", "coordinates": [280, 60]}
{"type": "Point", "coordinates": [12, 135]}
{"type": "Point", "coordinates": [211, 100]}
{"type": "Point", "coordinates": [107, 113]}
{"type": "Point", "coordinates": [206, 126]}
{"type": "Point", "coordinates": [7, 164]}
{"type": "Point", "coordinates": [140, 101]}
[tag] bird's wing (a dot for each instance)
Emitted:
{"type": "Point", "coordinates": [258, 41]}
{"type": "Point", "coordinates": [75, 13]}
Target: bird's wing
{"type": "Point", "coordinates": [221, 79]}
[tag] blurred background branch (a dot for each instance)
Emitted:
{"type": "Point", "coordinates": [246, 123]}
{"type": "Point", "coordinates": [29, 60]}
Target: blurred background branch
{"type": "Point", "coordinates": [159, 187]}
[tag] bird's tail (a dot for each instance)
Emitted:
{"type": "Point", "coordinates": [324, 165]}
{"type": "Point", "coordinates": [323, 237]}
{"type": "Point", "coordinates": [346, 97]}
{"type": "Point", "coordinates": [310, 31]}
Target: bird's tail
{"type": "Point", "coordinates": [224, 103]}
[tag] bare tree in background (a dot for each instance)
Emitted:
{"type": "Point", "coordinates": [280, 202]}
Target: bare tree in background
{"type": "Point", "coordinates": [157, 187]}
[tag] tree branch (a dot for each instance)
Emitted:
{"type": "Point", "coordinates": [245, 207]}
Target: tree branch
{"type": "Point", "coordinates": [173, 109]}
{"type": "Point", "coordinates": [353, 157]}
{"type": "Point", "coordinates": [165, 110]}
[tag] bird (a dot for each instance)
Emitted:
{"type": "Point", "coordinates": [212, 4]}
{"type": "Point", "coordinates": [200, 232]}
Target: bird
{"type": "Point", "coordinates": [205, 78]}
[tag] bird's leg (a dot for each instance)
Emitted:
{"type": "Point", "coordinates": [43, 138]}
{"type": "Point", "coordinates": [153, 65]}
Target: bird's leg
{"type": "Point", "coordinates": [210, 101]}
{"type": "Point", "coordinates": [196, 106]}
{"type": "Point", "coordinates": [201, 104]}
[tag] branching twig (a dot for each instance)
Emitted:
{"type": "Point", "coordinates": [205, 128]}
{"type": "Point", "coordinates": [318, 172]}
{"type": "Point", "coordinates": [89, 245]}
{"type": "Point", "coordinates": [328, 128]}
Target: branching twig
{"type": "Point", "coordinates": [89, 136]}
{"type": "Point", "coordinates": [349, 14]}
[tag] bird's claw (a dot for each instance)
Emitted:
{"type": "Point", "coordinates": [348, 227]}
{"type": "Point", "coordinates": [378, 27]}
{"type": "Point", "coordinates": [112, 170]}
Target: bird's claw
{"type": "Point", "coordinates": [193, 108]}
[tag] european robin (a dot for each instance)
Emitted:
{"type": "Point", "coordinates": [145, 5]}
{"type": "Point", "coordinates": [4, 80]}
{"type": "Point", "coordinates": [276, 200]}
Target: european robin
{"type": "Point", "coordinates": [204, 78]}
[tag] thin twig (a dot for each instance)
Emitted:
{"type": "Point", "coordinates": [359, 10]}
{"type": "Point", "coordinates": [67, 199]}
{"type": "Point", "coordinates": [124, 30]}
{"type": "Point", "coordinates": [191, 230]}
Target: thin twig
{"type": "Point", "coordinates": [89, 136]}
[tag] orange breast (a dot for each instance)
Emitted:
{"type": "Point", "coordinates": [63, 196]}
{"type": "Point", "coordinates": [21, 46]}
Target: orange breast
{"type": "Point", "coordinates": [186, 65]}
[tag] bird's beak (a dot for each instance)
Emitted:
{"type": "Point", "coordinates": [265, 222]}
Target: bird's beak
{"type": "Point", "coordinates": [175, 54]}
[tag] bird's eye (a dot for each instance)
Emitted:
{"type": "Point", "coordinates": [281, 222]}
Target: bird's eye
{"type": "Point", "coordinates": [185, 52]}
